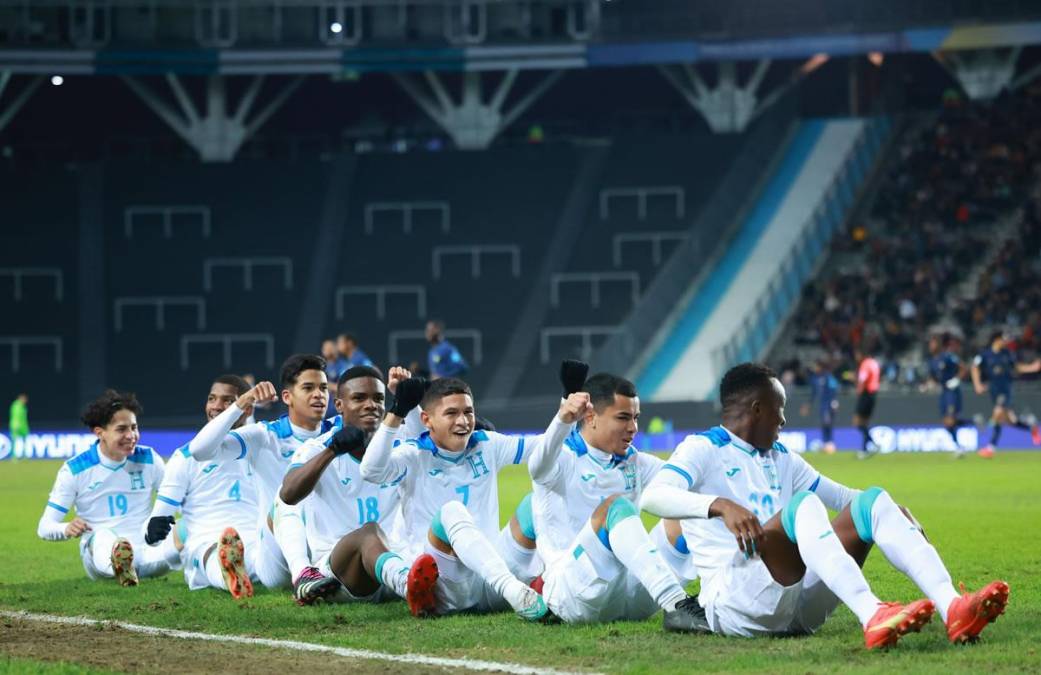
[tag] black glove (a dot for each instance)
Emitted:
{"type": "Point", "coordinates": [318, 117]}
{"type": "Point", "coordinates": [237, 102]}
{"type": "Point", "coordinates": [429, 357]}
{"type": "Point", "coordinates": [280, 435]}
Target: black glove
{"type": "Point", "coordinates": [410, 392]}
{"type": "Point", "coordinates": [573, 375]}
{"type": "Point", "coordinates": [158, 528]}
{"type": "Point", "coordinates": [347, 439]}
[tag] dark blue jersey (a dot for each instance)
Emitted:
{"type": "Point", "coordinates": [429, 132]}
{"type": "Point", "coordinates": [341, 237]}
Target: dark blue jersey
{"type": "Point", "coordinates": [823, 388]}
{"type": "Point", "coordinates": [944, 367]}
{"type": "Point", "coordinates": [997, 368]}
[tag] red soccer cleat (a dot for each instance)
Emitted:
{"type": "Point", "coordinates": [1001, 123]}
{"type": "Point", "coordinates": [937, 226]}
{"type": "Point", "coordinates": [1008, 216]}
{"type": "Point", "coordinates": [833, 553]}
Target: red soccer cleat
{"type": "Point", "coordinates": [969, 615]}
{"type": "Point", "coordinates": [1035, 434]}
{"type": "Point", "coordinates": [419, 594]}
{"type": "Point", "coordinates": [893, 620]}
{"type": "Point", "coordinates": [986, 452]}
{"type": "Point", "coordinates": [233, 564]}
{"type": "Point", "coordinates": [538, 583]}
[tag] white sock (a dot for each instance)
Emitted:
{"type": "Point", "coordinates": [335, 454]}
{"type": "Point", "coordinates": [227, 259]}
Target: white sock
{"type": "Point", "coordinates": [824, 554]}
{"type": "Point", "coordinates": [478, 554]}
{"type": "Point", "coordinates": [291, 535]}
{"type": "Point", "coordinates": [678, 562]}
{"type": "Point", "coordinates": [213, 569]}
{"type": "Point", "coordinates": [101, 551]}
{"type": "Point", "coordinates": [394, 574]}
{"type": "Point", "coordinates": [908, 551]}
{"type": "Point", "coordinates": [518, 559]}
{"type": "Point", "coordinates": [635, 550]}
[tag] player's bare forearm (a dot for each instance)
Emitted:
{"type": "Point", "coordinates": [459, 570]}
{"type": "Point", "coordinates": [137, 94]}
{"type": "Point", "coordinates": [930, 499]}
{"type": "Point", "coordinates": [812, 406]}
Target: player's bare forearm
{"type": "Point", "coordinates": [300, 482]}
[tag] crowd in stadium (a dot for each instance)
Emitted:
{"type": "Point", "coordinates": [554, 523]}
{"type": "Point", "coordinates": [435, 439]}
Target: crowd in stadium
{"type": "Point", "coordinates": [934, 220]}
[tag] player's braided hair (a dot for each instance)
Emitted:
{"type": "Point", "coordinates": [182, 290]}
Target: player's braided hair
{"type": "Point", "coordinates": [743, 379]}
{"type": "Point", "coordinates": [99, 412]}
{"type": "Point", "coordinates": [241, 386]}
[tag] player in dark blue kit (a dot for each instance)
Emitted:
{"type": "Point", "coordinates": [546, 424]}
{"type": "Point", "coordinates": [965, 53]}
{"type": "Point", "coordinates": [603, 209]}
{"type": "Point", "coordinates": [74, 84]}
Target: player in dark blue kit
{"type": "Point", "coordinates": [947, 371]}
{"type": "Point", "coordinates": [993, 370]}
{"type": "Point", "coordinates": [824, 389]}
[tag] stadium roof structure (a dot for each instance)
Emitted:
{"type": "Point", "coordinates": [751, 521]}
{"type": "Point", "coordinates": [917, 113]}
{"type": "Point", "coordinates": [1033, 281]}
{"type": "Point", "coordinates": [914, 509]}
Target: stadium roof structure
{"type": "Point", "coordinates": [420, 43]}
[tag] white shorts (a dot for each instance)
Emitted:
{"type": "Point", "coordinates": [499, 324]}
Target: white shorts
{"type": "Point", "coordinates": [269, 564]}
{"type": "Point", "coordinates": [459, 589]}
{"type": "Point", "coordinates": [588, 584]}
{"type": "Point", "coordinates": [149, 561]}
{"type": "Point", "coordinates": [343, 594]}
{"type": "Point", "coordinates": [744, 599]}
{"type": "Point", "coordinates": [194, 557]}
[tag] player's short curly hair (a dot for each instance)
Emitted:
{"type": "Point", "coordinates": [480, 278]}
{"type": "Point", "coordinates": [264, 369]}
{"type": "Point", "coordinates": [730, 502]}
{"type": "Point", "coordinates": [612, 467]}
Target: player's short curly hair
{"type": "Point", "coordinates": [355, 372]}
{"type": "Point", "coordinates": [99, 412]}
{"type": "Point", "coordinates": [296, 364]}
{"type": "Point", "coordinates": [232, 380]}
{"type": "Point", "coordinates": [743, 379]}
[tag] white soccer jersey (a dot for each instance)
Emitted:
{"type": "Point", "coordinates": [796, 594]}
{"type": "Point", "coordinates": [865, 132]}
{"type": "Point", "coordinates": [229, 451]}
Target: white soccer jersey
{"type": "Point", "coordinates": [434, 477]}
{"type": "Point", "coordinates": [716, 462]}
{"type": "Point", "coordinates": [211, 495]}
{"type": "Point", "coordinates": [267, 447]}
{"type": "Point", "coordinates": [581, 479]}
{"type": "Point", "coordinates": [342, 501]}
{"type": "Point", "coordinates": [107, 494]}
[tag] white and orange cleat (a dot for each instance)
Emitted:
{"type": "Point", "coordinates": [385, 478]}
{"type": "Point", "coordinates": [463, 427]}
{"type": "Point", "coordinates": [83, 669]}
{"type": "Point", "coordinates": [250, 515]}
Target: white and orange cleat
{"type": "Point", "coordinates": [893, 620]}
{"type": "Point", "coordinates": [123, 563]}
{"type": "Point", "coordinates": [968, 615]}
{"type": "Point", "coordinates": [986, 452]}
{"type": "Point", "coordinates": [233, 564]}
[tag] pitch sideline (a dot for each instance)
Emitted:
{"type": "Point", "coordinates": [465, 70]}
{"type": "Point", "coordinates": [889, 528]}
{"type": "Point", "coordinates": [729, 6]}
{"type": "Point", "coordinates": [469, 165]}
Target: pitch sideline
{"type": "Point", "coordinates": [412, 659]}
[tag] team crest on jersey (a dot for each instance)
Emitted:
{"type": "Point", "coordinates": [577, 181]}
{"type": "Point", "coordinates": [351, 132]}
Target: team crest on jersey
{"type": "Point", "coordinates": [137, 481]}
{"type": "Point", "coordinates": [629, 473]}
{"type": "Point", "coordinates": [477, 465]}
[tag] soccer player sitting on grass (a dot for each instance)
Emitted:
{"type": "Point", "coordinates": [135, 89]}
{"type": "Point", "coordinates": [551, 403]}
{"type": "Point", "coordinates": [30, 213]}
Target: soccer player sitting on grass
{"type": "Point", "coordinates": [110, 485]}
{"type": "Point", "coordinates": [771, 561]}
{"type": "Point", "coordinates": [218, 504]}
{"type": "Point", "coordinates": [600, 563]}
{"type": "Point", "coordinates": [450, 496]}
{"type": "Point", "coordinates": [345, 515]}
{"type": "Point", "coordinates": [267, 447]}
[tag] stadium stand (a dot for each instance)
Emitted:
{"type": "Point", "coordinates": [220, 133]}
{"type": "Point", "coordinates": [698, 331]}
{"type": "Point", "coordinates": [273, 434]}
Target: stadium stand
{"type": "Point", "coordinates": [947, 239]}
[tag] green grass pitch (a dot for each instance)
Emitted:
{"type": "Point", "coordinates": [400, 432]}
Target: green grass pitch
{"type": "Point", "coordinates": [981, 515]}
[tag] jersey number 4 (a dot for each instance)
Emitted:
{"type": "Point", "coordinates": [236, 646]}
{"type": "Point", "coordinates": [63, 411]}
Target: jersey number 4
{"type": "Point", "coordinates": [235, 492]}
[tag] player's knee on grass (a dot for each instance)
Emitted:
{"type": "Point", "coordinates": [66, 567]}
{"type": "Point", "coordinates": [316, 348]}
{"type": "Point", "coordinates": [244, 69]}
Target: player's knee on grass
{"type": "Point", "coordinates": [522, 524]}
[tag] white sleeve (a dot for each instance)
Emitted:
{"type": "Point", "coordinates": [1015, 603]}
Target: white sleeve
{"type": "Point", "coordinates": [544, 450]}
{"type": "Point", "coordinates": [672, 493]}
{"type": "Point", "coordinates": [59, 501]}
{"type": "Point", "coordinates": [308, 449]}
{"type": "Point", "coordinates": [213, 439]}
{"type": "Point", "coordinates": [159, 471]}
{"type": "Point", "coordinates": [381, 462]}
{"type": "Point", "coordinates": [414, 423]}
{"type": "Point", "coordinates": [174, 487]}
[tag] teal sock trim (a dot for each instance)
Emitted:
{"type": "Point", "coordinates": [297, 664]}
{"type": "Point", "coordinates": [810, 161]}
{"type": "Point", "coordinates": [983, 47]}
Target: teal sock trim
{"type": "Point", "coordinates": [380, 561]}
{"type": "Point", "coordinates": [439, 529]}
{"type": "Point", "coordinates": [182, 531]}
{"type": "Point", "coordinates": [620, 509]}
{"type": "Point", "coordinates": [788, 513]}
{"type": "Point", "coordinates": [860, 509]}
{"type": "Point", "coordinates": [525, 517]}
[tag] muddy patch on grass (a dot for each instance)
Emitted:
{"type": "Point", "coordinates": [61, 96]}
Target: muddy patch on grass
{"type": "Point", "coordinates": [111, 648]}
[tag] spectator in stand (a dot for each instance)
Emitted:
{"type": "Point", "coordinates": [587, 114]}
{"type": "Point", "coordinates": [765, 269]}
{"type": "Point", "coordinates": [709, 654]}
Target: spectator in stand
{"type": "Point", "coordinates": [347, 346]}
{"type": "Point", "coordinates": [335, 365]}
{"type": "Point", "coordinates": [443, 359]}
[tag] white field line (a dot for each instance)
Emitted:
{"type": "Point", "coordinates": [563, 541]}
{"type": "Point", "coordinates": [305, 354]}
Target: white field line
{"type": "Point", "coordinates": [411, 659]}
